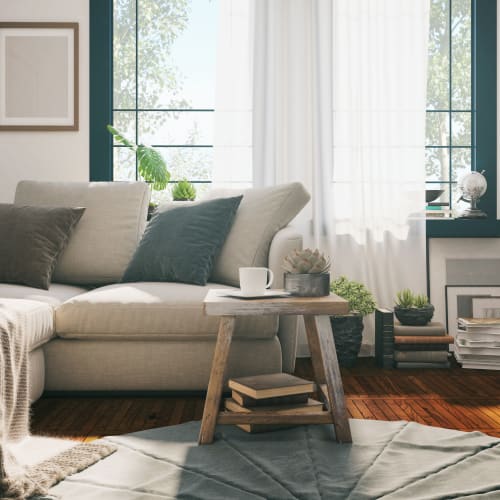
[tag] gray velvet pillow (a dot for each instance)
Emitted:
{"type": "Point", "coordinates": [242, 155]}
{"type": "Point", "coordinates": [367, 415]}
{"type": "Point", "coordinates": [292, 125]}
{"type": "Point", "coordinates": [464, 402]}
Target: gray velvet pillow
{"type": "Point", "coordinates": [181, 244]}
{"type": "Point", "coordinates": [31, 240]}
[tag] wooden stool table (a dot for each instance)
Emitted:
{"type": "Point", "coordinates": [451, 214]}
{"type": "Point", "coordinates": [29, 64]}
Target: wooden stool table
{"type": "Point", "coordinates": [316, 312]}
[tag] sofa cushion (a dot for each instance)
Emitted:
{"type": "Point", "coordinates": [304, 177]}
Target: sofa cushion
{"type": "Point", "coordinates": [54, 296]}
{"type": "Point", "coordinates": [31, 240]}
{"type": "Point", "coordinates": [34, 320]}
{"type": "Point", "coordinates": [107, 234]}
{"type": "Point", "coordinates": [181, 244]}
{"type": "Point", "coordinates": [150, 311]}
{"type": "Point", "coordinates": [261, 214]}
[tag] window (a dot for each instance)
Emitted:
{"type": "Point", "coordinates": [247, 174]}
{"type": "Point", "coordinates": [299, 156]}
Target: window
{"type": "Point", "coordinates": [450, 130]}
{"type": "Point", "coordinates": [164, 84]}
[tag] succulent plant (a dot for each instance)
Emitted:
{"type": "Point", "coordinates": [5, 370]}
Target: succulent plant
{"type": "Point", "coordinates": [183, 191]}
{"type": "Point", "coordinates": [306, 262]}
{"type": "Point", "coordinates": [361, 300]}
{"type": "Point", "coordinates": [407, 299]}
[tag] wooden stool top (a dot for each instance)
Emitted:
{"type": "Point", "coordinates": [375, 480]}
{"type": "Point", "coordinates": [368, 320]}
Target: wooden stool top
{"type": "Point", "coordinates": [217, 304]}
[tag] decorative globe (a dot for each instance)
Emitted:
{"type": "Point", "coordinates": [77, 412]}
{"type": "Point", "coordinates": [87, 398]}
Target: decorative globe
{"type": "Point", "coordinates": [472, 186]}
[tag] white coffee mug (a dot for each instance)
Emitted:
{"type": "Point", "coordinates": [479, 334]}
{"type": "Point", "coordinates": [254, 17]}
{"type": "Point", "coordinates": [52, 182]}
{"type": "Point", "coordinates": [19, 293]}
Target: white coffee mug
{"type": "Point", "coordinates": [254, 280]}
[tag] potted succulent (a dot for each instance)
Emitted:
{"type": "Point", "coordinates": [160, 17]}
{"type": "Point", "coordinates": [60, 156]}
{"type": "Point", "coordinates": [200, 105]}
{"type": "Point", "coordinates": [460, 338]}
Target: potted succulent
{"type": "Point", "coordinates": [306, 273]}
{"type": "Point", "coordinates": [413, 309]}
{"type": "Point", "coordinates": [183, 191]}
{"type": "Point", "coordinates": [348, 329]}
{"type": "Point", "coordinates": [150, 164]}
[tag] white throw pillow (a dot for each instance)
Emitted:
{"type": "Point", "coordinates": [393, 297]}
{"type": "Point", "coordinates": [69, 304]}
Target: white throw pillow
{"type": "Point", "coordinates": [261, 214]}
{"type": "Point", "coordinates": [107, 235]}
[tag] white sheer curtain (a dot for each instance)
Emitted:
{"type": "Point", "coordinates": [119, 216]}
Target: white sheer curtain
{"type": "Point", "coordinates": [338, 103]}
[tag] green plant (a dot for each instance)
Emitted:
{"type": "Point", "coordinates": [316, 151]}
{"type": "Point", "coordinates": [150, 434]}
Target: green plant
{"type": "Point", "coordinates": [361, 300]}
{"type": "Point", "coordinates": [150, 164]}
{"type": "Point", "coordinates": [407, 299]}
{"type": "Point", "coordinates": [306, 262]}
{"type": "Point", "coordinates": [183, 191]}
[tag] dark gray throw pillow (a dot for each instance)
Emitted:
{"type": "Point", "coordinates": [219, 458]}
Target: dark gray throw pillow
{"type": "Point", "coordinates": [31, 240]}
{"type": "Point", "coordinates": [181, 244]}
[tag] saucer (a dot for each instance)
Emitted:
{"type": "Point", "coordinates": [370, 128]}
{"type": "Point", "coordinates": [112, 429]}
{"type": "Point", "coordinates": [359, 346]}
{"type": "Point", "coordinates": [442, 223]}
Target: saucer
{"type": "Point", "coordinates": [268, 294]}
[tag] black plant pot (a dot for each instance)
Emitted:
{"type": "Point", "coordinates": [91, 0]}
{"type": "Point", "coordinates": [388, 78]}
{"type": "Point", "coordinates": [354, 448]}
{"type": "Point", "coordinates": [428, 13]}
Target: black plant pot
{"type": "Point", "coordinates": [347, 334]}
{"type": "Point", "coordinates": [413, 316]}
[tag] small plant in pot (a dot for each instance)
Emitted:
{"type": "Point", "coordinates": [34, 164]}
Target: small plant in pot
{"type": "Point", "coordinates": [413, 309]}
{"type": "Point", "coordinates": [150, 164]}
{"type": "Point", "coordinates": [306, 273]}
{"type": "Point", "coordinates": [183, 191]}
{"type": "Point", "coordinates": [348, 329]}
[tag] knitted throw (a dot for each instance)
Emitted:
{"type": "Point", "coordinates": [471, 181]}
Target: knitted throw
{"type": "Point", "coordinates": [17, 482]}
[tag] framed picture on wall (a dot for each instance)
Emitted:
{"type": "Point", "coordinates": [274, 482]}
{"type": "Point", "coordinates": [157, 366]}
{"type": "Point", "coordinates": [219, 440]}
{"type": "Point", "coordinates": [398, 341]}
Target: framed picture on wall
{"type": "Point", "coordinates": [460, 302]}
{"type": "Point", "coordinates": [38, 76]}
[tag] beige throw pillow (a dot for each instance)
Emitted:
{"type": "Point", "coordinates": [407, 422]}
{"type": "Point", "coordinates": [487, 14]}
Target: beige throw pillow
{"type": "Point", "coordinates": [261, 214]}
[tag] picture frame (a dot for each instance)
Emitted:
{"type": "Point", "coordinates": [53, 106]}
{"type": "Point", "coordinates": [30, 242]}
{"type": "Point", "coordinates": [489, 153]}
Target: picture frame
{"type": "Point", "coordinates": [486, 307]}
{"type": "Point", "coordinates": [39, 76]}
{"type": "Point", "coordinates": [459, 302]}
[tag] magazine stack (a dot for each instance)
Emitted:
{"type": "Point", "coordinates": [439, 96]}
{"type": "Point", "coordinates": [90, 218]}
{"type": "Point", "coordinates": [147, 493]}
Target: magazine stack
{"type": "Point", "coordinates": [477, 344]}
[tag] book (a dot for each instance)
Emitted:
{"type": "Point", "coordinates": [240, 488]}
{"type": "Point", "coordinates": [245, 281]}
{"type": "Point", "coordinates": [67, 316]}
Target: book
{"type": "Point", "coordinates": [311, 406]}
{"type": "Point", "coordinates": [480, 366]}
{"type": "Point", "coordinates": [271, 385]}
{"type": "Point", "coordinates": [423, 347]}
{"type": "Point", "coordinates": [433, 328]}
{"type": "Point", "coordinates": [423, 339]}
{"type": "Point", "coordinates": [421, 356]}
{"type": "Point", "coordinates": [479, 325]}
{"type": "Point", "coordinates": [384, 338]}
{"type": "Point", "coordinates": [244, 400]}
{"type": "Point", "coordinates": [412, 364]}
{"type": "Point", "coordinates": [485, 339]}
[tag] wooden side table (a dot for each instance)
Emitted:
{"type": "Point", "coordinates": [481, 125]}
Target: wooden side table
{"type": "Point", "coordinates": [316, 312]}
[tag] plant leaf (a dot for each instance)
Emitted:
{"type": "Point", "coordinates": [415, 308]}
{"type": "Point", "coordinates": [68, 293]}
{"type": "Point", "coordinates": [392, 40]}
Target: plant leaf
{"type": "Point", "coordinates": [119, 138]}
{"type": "Point", "coordinates": [152, 167]}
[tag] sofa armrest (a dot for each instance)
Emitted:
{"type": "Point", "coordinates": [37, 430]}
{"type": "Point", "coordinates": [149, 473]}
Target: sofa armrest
{"type": "Point", "coordinates": [283, 243]}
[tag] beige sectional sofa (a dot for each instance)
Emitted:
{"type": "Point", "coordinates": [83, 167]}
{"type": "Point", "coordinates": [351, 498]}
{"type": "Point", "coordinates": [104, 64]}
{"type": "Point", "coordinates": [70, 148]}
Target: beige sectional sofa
{"type": "Point", "coordinates": [89, 332]}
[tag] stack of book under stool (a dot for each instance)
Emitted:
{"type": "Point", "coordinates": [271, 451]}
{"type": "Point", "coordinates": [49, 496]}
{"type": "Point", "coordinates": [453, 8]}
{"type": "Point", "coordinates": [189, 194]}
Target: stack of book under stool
{"type": "Point", "coordinates": [421, 346]}
{"type": "Point", "coordinates": [403, 346]}
{"type": "Point", "coordinates": [278, 392]}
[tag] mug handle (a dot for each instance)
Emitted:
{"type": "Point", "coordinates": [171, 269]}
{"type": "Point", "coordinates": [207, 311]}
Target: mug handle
{"type": "Point", "coordinates": [271, 278]}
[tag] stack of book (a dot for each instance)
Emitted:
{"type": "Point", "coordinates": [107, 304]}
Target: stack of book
{"type": "Point", "coordinates": [438, 209]}
{"type": "Point", "coordinates": [477, 344]}
{"type": "Point", "coordinates": [421, 346]}
{"type": "Point", "coordinates": [277, 392]}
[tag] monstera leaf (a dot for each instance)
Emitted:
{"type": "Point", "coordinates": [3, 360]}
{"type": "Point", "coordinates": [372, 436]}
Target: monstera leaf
{"type": "Point", "coordinates": [151, 165]}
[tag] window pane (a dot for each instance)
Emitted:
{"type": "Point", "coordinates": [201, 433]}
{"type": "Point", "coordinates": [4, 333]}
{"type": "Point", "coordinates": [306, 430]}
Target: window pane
{"type": "Point", "coordinates": [461, 159]}
{"type": "Point", "coordinates": [190, 163]}
{"type": "Point", "coordinates": [177, 45]}
{"type": "Point", "coordinates": [439, 56]}
{"type": "Point", "coordinates": [461, 128]}
{"type": "Point", "coordinates": [437, 162]}
{"type": "Point", "coordinates": [124, 54]}
{"type": "Point", "coordinates": [124, 122]}
{"type": "Point", "coordinates": [177, 128]}
{"type": "Point", "coordinates": [123, 164]}
{"type": "Point", "coordinates": [461, 54]}
{"type": "Point", "coordinates": [437, 129]}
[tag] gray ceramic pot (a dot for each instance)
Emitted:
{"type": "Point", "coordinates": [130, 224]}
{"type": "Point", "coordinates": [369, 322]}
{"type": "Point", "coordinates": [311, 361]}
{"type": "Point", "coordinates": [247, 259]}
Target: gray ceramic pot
{"type": "Point", "coordinates": [413, 316]}
{"type": "Point", "coordinates": [347, 334]}
{"type": "Point", "coordinates": [307, 285]}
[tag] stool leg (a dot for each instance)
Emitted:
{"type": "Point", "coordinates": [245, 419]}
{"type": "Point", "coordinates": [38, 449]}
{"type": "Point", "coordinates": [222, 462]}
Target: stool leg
{"type": "Point", "coordinates": [216, 382]}
{"type": "Point", "coordinates": [326, 367]}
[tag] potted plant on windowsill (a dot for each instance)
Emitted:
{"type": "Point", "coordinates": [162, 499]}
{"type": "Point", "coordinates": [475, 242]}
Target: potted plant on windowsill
{"type": "Point", "coordinates": [348, 329]}
{"type": "Point", "coordinates": [150, 164]}
{"type": "Point", "coordinates": [184, 191]}
{"type": "Point", "coordinates": [413, 309]}
{"type": "Point", "coordinates": [306, 273]}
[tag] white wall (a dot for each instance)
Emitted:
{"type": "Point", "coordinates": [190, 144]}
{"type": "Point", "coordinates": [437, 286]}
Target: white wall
{"type": "Point", "coordinates": [49, 156]}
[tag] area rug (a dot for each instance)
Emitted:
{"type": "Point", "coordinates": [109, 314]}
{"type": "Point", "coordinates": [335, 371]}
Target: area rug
{"type": "Point", "coordinates": [389, 460]}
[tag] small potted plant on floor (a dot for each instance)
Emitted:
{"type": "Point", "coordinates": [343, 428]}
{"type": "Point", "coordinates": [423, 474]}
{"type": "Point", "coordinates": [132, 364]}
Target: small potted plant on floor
{"type": "Point", "coordinates": [348, 329]}
{"type": "Point", "coordinates": [183, 191]}
{"type": "Point", "coordinates": [150, 165]}
{"type": "Point", "coordinates": [413, 309]}
{"type": "Point", "coordinates": [306, 273]}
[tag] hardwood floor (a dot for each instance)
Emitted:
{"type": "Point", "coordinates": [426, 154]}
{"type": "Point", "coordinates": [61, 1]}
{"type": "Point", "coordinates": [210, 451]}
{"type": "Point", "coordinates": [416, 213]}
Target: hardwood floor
{"type": "Point", "coordinates": [458, 399]}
